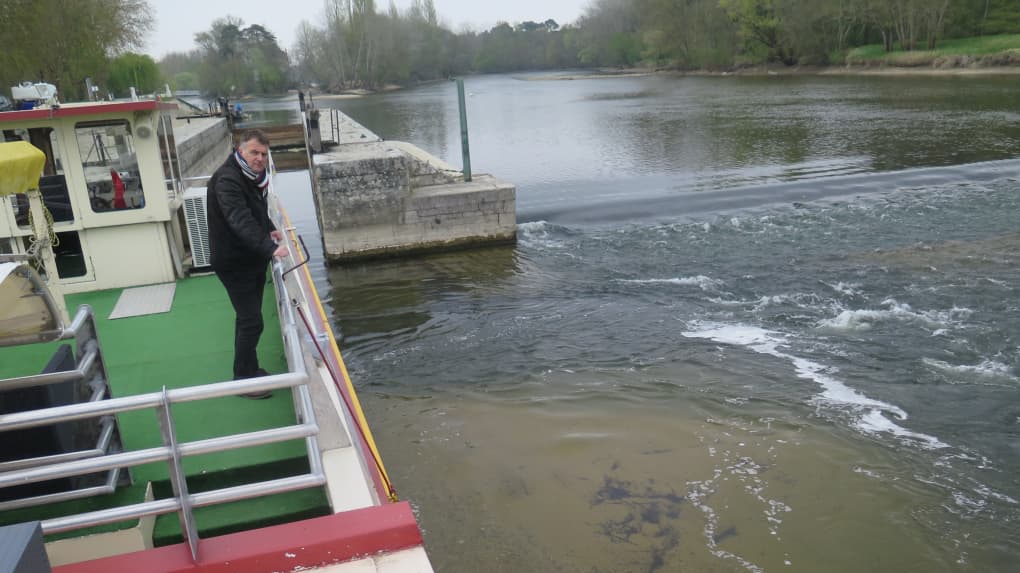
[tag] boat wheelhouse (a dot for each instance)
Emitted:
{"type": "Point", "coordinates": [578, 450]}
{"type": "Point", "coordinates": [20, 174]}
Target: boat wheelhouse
{"type": "Point", "coordinates": [113, 188]}
{"type": "Point", "coordinates": [127, 446]}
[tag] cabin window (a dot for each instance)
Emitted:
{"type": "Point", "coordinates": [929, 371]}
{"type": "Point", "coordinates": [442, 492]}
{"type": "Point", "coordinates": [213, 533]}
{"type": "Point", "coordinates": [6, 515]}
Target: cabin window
{"type": "Point", "coordinates": [5, 247]}
{"type": "Point", "coordinates": [111, 166]}
{"type": "Point", "coordinates": [52, 183]}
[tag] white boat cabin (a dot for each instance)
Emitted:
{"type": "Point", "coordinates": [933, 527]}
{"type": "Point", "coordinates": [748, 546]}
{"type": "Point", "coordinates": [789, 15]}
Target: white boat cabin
{"type": "Point", "coordinates": [112, 187]}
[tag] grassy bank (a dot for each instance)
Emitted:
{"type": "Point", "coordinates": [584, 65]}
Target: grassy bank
{"type": "Point", "coordinates": [982, 51]}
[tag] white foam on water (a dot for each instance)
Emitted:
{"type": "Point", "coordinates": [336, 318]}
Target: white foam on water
{"type": "Point", "coordinates": [697, 493]}
{"type": "Point", "coordinates": [852, 320]}
{"type": "Point", "coordinates": [871, 414]}
{"type": "Point", "coordinates": [536, 233]}
{"type": "Point", "coordinates": [851, 289]}
{"type": "Point", "coordinates": [986, 369]}
{"type": "Point", "coordinates": [700, 281]}
{"type": "Point", "coordinates": [532, 227]}
{"type": "Point", "coordinates": [986, 491]}
{"type": "Point", "coordinates": [864, 319]}
{"type": "Point", "coordinates": [969, 497]}
{"type": "Point", "coordinates": [776, 300]}
{"type": "Point", "coordinates": [724, 302]}
{"type": "Point", "coordinates": [870, 473]}
{"type": "Point", "coordinates": [874, 422]}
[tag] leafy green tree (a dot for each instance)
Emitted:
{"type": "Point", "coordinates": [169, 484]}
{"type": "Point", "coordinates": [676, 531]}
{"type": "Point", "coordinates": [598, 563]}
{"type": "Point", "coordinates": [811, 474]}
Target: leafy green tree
{"type": "Point", "coordinates": [268, 62]}
{"type": "Point", "coordinates": [222, 71]}
{"type": "Point", "coordinates": [624, 49]}
{"type": "Point", "coordinates": [176, 62]}
{"type": "Point", "coordinates": [998, 17]}
{"type": "Point", "coordinates": [238, 60]}
{"type": "Point", "coordinates": [134, 70]}
{"type": "Point", "coordinates": [497, 50]}
{"type": "Point", "coordinates": [811, 30]}
{"type": "Point", "coordinates": [759, 24]}
{"type": "Point", "coordinates": [608, 33]}
{"type": "Point", "coordinates": [184, 81]}
{"type": "Point", "coordinates": [62, 42]}
{"type": "Point", "coordinates": [688, 34]}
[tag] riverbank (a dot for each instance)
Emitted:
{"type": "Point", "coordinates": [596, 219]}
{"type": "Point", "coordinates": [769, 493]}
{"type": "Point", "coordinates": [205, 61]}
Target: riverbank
{"type": "Point", "coordinates": [961, 66]}
{"type": "Point", "coordinates": [988, 55]}
{"type": "Point", "coordinates": [786, 71]}
{"type": "Point", "coordinates": [873, 70]}
{"type": "Point", "coordinates": [357, 93]}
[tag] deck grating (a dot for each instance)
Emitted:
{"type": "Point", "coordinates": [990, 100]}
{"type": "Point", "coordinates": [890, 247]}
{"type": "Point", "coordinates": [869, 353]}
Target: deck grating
{"type": "Point", "coordinates": [141, 301]}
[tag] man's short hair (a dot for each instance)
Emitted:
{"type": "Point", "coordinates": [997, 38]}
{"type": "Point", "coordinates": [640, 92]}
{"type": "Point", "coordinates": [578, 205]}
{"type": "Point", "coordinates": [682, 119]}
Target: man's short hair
{"type": "Point", "coordinates": [256, 134]}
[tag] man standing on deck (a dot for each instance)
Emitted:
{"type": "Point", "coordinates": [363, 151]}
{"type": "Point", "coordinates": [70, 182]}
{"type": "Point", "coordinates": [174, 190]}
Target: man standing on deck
{"type": "Point", "coordinates": [242, 241]}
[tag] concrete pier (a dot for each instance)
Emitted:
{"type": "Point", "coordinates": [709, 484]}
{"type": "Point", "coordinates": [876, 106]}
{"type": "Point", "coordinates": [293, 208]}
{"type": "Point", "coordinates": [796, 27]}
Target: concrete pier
{"type": "Point", "coordinates": [388, 198]}
{"type": "Point", "coordinates": [202, 144]}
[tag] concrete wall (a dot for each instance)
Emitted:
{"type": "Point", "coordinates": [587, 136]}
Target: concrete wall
{"type": "Point", "coordinates": [378, 199]}
{"type": "Point", "coordinates": [202, 144]}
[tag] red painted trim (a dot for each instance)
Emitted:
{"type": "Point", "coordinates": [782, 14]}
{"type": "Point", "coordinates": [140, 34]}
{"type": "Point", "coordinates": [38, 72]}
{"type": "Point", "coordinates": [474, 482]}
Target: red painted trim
{"type": "Point", "coordinates": [88, 109]}
{"type": "Point", "coordinates": [366, 450]}
{"type": "Point", "coordinates": [303, 544]}
{"type": "Point", "coordinates": [342, 387]}
{"type": "Point", "coordinates": [339, 379]}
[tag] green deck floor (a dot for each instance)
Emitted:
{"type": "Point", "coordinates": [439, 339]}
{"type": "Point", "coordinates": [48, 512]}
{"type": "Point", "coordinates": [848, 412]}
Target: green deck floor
{"type": "Point", "coordinates": [192, 344]}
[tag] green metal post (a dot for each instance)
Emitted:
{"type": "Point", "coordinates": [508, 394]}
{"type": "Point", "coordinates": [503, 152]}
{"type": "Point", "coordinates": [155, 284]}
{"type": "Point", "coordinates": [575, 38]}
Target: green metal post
{"type": "Point", "coordinates": [464, 146]}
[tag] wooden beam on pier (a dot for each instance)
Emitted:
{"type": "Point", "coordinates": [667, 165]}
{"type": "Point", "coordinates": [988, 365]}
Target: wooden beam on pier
{"type": "Point", "coordinates": [280, 136]}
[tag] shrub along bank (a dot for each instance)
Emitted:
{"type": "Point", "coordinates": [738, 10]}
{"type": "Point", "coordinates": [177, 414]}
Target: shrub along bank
{"type": "Point", "coordinates": [977, 52]}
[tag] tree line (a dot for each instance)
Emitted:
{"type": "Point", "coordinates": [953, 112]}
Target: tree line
{"type": "Point", "coordinates": [358, 46]}
{"type": "Point", "coordinates": [231, 59]}
{"type": "Point", "coordinates": [354, 44]}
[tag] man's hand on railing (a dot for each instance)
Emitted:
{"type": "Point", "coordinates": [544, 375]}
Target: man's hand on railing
{"type": "Point", "coordinates": [281, 251]}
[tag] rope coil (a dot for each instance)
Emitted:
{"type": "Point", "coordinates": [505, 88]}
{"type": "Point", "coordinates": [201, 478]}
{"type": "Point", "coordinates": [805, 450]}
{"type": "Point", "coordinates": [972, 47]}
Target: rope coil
{"type": "Point", "coordinates": [34, 244]}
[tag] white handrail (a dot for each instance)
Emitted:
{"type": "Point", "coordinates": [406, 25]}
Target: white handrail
{"type": "Point", "coordinates": [65, 465]}
{"type": "Point", "coordinates": [71, 412]}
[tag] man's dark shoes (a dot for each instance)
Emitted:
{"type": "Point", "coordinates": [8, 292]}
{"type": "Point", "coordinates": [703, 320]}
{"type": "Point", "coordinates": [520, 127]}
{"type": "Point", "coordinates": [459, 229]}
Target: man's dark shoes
{"type": "Point", "coordinates": [261, 394]}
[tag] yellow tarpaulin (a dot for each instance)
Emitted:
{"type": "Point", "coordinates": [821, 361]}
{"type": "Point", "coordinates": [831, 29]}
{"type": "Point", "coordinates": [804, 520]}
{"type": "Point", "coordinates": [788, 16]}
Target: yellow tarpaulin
{"type": "Point", "coordinates": [21, 164]}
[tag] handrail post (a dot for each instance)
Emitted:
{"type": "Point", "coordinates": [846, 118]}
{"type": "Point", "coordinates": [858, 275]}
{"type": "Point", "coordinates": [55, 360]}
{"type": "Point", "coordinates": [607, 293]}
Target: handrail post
{"type": "Point", "coordinates": [177, 479]}
{"type": "Point", "coordinates": [465, 147]}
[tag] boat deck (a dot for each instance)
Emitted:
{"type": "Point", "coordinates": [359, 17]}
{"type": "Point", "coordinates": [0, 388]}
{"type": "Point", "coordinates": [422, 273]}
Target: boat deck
{"type": "Point", "coordinates": [190, 345]}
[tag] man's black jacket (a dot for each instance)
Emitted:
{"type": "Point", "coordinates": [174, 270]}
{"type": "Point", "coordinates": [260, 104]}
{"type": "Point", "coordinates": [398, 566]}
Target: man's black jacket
{"type": "Point", "coordinates": [238, 220]}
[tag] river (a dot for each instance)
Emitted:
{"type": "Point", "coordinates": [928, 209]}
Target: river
{"type": "Point", "coordinates": [750, 324]}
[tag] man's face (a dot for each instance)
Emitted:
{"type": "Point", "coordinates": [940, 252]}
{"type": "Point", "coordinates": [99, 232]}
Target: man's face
{"type": "Point", "coordinates": [255, 154]}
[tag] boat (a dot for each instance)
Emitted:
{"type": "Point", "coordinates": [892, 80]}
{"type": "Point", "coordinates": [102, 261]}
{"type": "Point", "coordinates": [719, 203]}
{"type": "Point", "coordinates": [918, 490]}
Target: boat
{"type": "Point", "coordinates": [126, 445]}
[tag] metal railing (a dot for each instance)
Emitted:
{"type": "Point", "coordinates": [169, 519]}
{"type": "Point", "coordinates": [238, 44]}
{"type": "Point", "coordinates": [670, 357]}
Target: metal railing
{"type": "Point", "coordinates": [172, 452]}
{"type": "Point", "coordinates": [89, 373]}
{"type": "Point", "coordinates": [334, 124]}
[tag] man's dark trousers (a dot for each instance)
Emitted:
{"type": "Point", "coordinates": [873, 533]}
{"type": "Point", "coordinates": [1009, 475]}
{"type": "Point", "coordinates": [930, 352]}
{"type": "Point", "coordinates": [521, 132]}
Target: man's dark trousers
{"type": "Point", "coordinates": [245, 288]}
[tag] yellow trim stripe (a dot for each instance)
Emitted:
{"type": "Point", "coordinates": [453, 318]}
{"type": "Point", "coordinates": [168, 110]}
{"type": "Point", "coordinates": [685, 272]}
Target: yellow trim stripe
{"type": "Point", "coordinates": [334, 347]}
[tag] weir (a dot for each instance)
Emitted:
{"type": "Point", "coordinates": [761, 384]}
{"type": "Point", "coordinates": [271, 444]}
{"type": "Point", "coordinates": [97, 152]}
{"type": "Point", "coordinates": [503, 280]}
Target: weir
{"type": "Point", "coordinates": [378, 198]}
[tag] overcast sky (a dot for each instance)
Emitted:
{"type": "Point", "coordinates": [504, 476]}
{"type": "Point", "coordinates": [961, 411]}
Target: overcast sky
{"type": "Point", "coordinates": [178, 21]}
